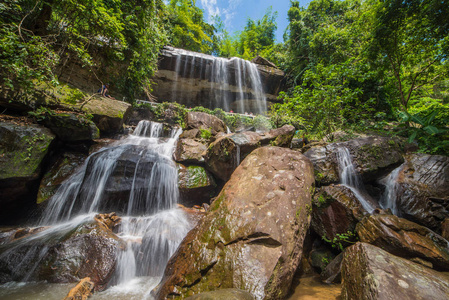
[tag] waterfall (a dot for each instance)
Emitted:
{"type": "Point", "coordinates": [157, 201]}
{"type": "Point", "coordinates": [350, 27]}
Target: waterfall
{"type": "Point", "coordinates": [152, 226]}
{"type": "Point", "coordinates": [350, 178]}
{"type": "Point", "coordinates": [389, 197]}
{"type": "Point", "coordinates": [234, 83]}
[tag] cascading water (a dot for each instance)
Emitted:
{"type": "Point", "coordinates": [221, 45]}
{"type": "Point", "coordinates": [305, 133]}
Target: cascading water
{"type": "Point", "coordinates": [389, 197]}
{"type": "Point", "coordinates": [235, 83]}
{"type": "Point", "coordinates": [350, 178]}
{"type": "Point", "coordinates": [151, 226]}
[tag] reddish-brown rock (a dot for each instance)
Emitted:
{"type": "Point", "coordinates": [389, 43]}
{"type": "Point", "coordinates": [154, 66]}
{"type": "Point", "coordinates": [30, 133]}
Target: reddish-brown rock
{"type": "Point", "coordinates": [252, 237]}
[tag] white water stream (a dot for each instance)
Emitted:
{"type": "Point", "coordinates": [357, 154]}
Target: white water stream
{"type": "Point", "coordinates": [350, 178]}
{"type": "Point", "coordinates": [231, 80]}
{"type": "Point", "coordinates": [151, 226]}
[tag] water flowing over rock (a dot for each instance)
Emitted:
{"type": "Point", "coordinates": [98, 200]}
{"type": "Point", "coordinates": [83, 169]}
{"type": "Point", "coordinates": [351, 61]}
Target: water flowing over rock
{"type": "Point", "coordinates": [226, 153]}
{"type": "Point", "coordinates": [421, 190]}
{"type": "Point", "coordinates": [23, 148]}
{"type": "Point", "coordinates": [189, 77]}
{"type": "Point", "coordinates": [372, 157]}
{"type": "Point", "coordinates": [404, 238]}
{"type": "Point", "coordinates": [252, 237]}
{"type": "Point", "coordinates": [66, 252]}
{"type": "Point", "coordinates": [369, 272]}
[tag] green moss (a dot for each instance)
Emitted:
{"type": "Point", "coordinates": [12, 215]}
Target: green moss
{"type": "Point", "coordinates": [196, 177]}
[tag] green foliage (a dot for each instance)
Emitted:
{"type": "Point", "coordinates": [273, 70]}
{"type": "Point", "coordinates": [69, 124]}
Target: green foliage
{"type": "Point", "coordinates": [341, 240]}
{"type": "Point", "coordinates": [41, 113]}
{"type": "Point", "coordinates": [205, 134]}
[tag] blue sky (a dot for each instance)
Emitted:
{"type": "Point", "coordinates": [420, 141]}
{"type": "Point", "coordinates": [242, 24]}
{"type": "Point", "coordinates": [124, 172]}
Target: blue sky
{"type": "Point", "coordinates": [234, 13]}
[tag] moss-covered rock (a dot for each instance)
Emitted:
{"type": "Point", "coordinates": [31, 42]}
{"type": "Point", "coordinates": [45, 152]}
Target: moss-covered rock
{"type": "Point", "coordinates": [71, 127]}
{"type": "Point", "coordinates": [23, 148]}
{"type": "Point", "coordinates": [108, 114]}
{"type": "Point", "coordinates": [196, 185]}
{"type": "Point", "coordinates": [60, 171]}
{"type": "Point", "coordinates": [252, 236]}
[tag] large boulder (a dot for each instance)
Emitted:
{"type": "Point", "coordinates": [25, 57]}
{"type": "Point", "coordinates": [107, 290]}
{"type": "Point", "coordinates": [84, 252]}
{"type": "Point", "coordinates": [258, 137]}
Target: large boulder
{"type": "Point", "coordinates": [369, 272]}
{"type": "Point", "coordinates": [404, 238]}
{"type": "Point", "coordinates": [226, 153]}
{"type": "Point", "coordinates": [251, 239]}
{"type": "Point", "coordinates": [108, 114]}
{"type": "Point", "coordinates": [64, 253]}
{"type": "Point", "coordinates": [200, 120]}
{"type": "Point", "coordinates": [196, 185]}
{"type": "Point", "coordinates": [23, 148]}
{"type": "Point", "coordinates": [65, 166]}
{"type": "Point", "coordinates": [71, 127]}
{"type": "Point", "coordinates": [336, 211]}
{"type": "Point", "coordinates": [422, 189]}
{"type": "Point", "coordinates": [373, 157]}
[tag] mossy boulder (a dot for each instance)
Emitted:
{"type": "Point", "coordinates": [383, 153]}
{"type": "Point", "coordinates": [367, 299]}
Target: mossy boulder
{"type": "Point", "coordinates": [71, 127]}
{"type": "Point", "coordinates": [23, 148]}
{"type": "Point", "coordinates": [252, 236]}
{"type": "Point", "coordinates": [108, 114]}
{"type": "Point", "coordinates": [200, 120]}
{"type": "Point", "coordinates": [373, 157]}
{"type": "Point", "coordinates": [196, 185]}
{"type": "Point", "coordinates": [369, 272]}
{"type": "Point", "coordinates": [60, 171]}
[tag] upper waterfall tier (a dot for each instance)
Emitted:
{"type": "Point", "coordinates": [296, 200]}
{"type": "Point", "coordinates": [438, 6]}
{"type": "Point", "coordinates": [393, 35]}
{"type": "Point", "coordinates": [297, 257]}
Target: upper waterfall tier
{"type": "Point", "coordinates": [193, 79]}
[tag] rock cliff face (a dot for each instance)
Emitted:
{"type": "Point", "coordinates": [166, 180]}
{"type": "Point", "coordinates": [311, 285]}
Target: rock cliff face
{"type": "Point", "coordinates": [188, 78]}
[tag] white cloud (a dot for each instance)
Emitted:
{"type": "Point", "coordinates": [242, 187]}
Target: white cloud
{"type": "Point", "coordinates": [226, 10]}
{"type": "Point", "coordinates": [211, 8]}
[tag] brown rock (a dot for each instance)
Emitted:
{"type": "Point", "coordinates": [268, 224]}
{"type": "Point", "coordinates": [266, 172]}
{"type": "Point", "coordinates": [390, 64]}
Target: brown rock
{"type": "Point", "coordinates": [445, 229]}
{"type": "Point", "coordinates": [223, 294]}
{"type": "Point", "coordinates": [189, 151]}
{"type": "Point", "coordinates": [369, 272]}
{"type": "Point", "coordinates": [226, 153]}
{"type": "Point", "coordinates": [252, 237]}
{"type": "Point", "coordinates": [200, 120]}
{"type": "Point", "coordinates": [423, 190]}
{"type": "Point", "coordinates": [404, 238]}
{"type": "Point", "coordinates": [336, 210]}
{"type": "Point", "coordinates": [81, 291]}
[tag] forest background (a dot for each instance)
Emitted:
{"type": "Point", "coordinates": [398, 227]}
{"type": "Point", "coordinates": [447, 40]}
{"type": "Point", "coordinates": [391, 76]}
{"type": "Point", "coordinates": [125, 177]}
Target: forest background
{"type": "Point", "coordinates": [358, 66]}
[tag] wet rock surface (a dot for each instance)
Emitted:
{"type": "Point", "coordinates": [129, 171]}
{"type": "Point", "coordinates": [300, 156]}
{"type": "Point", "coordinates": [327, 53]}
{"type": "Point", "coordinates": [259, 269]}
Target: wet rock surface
{"type": "Point", "coordinates": [226, 153]}
{"type": "Point", "coordinates": [61, 256]}
{"type": "Point", "coordinates": [423, 190]}
{"type": "Point", "coordinates": [196, 185]}
{"type": "Point", "coordinates": [252, 237]}
{"type": "Point", "coordinates": [23, 149]}
{"type": "Point", "coordinates": [369, 272]}
{"type": "Point", "coordinates": [65, 166]}
{"type": "Point", "coordinates": [81, 291]}
{"type": "Point", "coordinates": [372, 156]}
{"type": "Point", "coordinates": [336, 210]}
{"type": "Point", "coordinates": [70, 127]}
{"type": "Point", "coordinates": [404, 238]}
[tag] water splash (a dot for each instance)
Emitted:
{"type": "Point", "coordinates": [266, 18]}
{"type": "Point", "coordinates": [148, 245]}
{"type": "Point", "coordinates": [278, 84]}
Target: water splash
{"type": "Point", "coordinates": [350, 178]}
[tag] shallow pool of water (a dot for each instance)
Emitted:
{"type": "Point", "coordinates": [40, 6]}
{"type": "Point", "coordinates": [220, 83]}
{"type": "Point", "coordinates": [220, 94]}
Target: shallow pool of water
{"type": "Point", "coordinates": [311, 288]}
